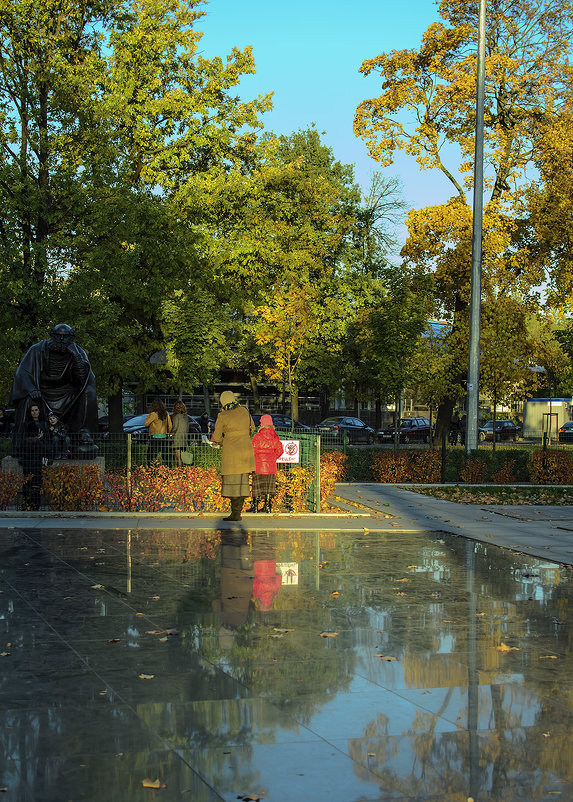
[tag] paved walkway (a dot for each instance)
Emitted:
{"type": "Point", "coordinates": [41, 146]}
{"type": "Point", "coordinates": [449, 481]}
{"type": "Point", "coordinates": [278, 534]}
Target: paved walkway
{"type": "Point", "coordinates": [541, 531]}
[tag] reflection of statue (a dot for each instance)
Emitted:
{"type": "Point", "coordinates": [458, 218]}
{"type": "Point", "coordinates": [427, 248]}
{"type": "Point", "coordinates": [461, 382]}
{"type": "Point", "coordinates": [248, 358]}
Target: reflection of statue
{"type": "Point", "coordinates": [57, 374]}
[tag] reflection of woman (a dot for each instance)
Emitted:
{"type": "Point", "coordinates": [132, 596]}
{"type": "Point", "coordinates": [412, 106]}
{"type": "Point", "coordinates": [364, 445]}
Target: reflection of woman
{"type": "Point", "coordinates": [179, 431]}
{"type": "Point", "coordinates": [233, 429]}
{"type": "Point", "coordinates": [159, 425]}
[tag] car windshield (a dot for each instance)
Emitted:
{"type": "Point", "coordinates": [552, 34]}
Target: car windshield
{"type": "Point", "coordinates": [330, 420]}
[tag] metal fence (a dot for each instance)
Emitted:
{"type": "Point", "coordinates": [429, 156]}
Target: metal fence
{"type": "Point", "coordinates": [123, 454]}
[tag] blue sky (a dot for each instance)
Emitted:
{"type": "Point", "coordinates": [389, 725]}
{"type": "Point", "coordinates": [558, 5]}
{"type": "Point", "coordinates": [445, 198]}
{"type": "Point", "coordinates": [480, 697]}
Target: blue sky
{"type": "Point", "coordinates": [308, 54]}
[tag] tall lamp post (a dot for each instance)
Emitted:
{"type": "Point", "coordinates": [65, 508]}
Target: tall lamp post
{"type": "Point", "coordinates": [475, 299]}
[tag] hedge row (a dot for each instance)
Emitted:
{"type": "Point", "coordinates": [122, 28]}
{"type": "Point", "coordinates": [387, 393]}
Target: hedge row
{"type": "Point", "coordinates": [425, 465]}
{"type": "Point", "coordinates": [153, 489]}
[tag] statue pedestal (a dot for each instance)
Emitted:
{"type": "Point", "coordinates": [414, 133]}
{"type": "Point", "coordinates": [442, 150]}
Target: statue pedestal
{"type": "Point", "coordinates": [11, 464]}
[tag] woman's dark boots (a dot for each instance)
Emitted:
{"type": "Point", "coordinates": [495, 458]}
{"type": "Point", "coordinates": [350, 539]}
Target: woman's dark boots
{"type": "Point", "coordinates": [254, 504]}
{"type": "Point", "coordinates": [236, 507]}
{"type": "Point", "coordinates": [267, 507]}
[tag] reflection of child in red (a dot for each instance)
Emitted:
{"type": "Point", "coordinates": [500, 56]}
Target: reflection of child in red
{"type": "Point", "coordinates": [267, 583]}
{"type": "Point", "coordinates": [268, 448]}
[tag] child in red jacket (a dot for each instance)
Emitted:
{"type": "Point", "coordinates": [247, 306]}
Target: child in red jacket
{"type": "Point", "coordinates": [268, 448]}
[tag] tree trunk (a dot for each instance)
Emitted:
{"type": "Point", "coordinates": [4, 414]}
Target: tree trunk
{"type": "Point", "coordinates": [378, 415]}
{"type": "Point", "coordinates": [324, 402]}
{"type": "Point", "coordinates": [206, 399]}
{"type": "Point", "coordinates": [444, 417]}
{"type": "Point", "coordinates": [494, 417]}
{"type": "Point", "coordinates": [294, 402]}
{"type": "Point", "coordinates": [115, 410]}
{"type": "Point", "coordinates": [255, 391]}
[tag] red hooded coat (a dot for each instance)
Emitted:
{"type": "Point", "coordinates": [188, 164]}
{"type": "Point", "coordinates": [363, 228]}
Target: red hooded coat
{"type": "Point", "coordinates": [268, 448]}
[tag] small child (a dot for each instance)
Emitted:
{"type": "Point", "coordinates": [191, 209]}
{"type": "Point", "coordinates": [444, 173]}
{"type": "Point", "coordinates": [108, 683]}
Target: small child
{"type": "Point", "coordinates": [268, 448]}
{"type": "Point", "coordinates": [58, 437]}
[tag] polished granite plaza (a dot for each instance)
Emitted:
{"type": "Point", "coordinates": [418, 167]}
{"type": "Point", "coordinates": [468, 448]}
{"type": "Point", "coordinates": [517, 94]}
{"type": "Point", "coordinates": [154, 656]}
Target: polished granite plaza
{"type": "Point", "coordinates": [281, 666]}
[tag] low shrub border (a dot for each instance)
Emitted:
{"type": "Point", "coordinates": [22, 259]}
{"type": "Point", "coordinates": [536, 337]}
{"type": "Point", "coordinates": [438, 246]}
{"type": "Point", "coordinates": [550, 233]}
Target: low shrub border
{"type": "Point", "coordinates": [159, 488]}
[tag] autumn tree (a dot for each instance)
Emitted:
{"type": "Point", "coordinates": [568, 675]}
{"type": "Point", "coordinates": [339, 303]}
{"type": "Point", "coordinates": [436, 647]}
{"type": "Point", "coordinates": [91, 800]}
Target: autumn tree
{"type": "Point", "coordinates": [427, 109]}
{"type": "Point", "coordinates": [382, 339]}
{"type": "Point", "coordinates": [110, 104]}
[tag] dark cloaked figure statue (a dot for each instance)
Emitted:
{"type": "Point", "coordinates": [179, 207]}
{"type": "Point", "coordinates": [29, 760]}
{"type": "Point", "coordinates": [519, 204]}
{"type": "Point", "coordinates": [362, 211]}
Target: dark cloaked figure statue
{"type": "Point", "coordinates": [56, 374]}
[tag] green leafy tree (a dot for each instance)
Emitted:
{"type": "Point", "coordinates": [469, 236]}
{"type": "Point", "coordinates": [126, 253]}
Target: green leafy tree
{"type": "Point", "coordinates": [427, 109]}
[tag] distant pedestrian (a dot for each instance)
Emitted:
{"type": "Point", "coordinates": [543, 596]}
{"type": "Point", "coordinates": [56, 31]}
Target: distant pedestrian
{"type": "Point", "coordinates": [233, 429]}
{"type": "Point", "coordinates": [268, 448]}
{"type": "Point", "coordinates": [159, 425]}
{"type": "Point", "coordinates": [205, 423]}
{"type": "Point", "coordinates": [180, 430]}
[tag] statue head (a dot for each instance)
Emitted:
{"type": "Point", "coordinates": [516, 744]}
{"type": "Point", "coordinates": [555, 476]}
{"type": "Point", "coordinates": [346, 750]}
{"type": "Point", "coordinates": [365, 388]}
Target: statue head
{"type": "Point", "coordinates": [61, 336]}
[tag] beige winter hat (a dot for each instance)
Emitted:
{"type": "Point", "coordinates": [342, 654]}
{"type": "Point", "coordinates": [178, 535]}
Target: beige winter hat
{"type": "Point", "coordinates": [227, 397]}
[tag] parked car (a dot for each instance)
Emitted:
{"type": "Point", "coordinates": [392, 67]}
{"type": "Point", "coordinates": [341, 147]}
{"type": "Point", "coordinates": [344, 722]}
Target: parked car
{"type": "Point", "coordinates": [356, 430]}
{"type": "Point", "coordinates": [103, 422]}
{"type": "Point", "coordinates": [504, 430]}
{"type": "Point", "coordinates": [137, 428]}
{"type": "Point", "coordinates": [565, 434]}
{"type": "Point", "coordinates": [411, 430]}
{"type": "Point", "coordinates": [282, 422]}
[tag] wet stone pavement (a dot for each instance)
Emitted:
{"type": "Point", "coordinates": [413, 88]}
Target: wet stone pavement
{"type": "Point", "coordinates": [281, 666]}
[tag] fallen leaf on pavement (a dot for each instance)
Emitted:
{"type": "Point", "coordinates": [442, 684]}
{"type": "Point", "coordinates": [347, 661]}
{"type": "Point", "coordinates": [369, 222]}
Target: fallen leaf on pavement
{"type": "Point", "coordinates": [98, 587]}
{"type": "Point", "coordinates": [387, 658]}
{"type": "Point", "coordinates": [328, 634]}
{"type": "Point", "coordinates": [282, 631]}
{"type": "Point", "coordinates": [505, 648]}
{"type": "Point", "coordinates": [146, 676]}
{"type": "Point", "coordinates": [147, 783]}
{"type": "Point", "coordinates": [114, 640]}
{"type": "Point", "coordinates": [548, 657]}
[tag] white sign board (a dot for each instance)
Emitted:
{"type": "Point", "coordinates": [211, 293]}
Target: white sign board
{"type": "Point", "coordinates": [291, 451]}
{"type": "Point", "coordinates": [289, 573]}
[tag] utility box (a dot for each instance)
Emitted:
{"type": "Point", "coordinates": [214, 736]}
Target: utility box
{"type": "Point", "coordinates": [545, 416]}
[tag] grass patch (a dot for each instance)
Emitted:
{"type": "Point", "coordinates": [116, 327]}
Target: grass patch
{"type": "Point", "coordinates": [492, 494]}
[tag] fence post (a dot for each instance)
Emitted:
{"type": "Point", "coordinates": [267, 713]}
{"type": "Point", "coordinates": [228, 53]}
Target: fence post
{"type": "Point", "coordinates": [545, 441]}
{"type": "Point", "coordinates": [128, 473]}
{"type": "Point", "coordinates": [317, 479]}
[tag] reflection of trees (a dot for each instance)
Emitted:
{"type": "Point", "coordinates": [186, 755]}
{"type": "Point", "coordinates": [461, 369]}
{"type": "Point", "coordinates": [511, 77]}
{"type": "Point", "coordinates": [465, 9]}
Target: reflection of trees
{"type": "Point", "coordinates": [462, 599]}
{"type": "Point", "coordinates": [296, 671]}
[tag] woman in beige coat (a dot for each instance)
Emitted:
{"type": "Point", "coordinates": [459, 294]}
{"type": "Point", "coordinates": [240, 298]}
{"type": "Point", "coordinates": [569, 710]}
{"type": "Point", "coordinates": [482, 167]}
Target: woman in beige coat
{"type": "Point", "coordinates": [233, 429]}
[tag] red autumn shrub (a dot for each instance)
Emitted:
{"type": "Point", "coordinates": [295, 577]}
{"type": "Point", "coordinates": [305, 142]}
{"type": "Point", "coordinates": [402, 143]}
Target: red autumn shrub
{"type": "Point", "coordinates": [506, 474]}
{"type": "Point", "coordinates": [10, 485]}
{"type": "Point", "coordinates": [426, 465]}
{"type": "Point", "coordinates": [551, 468]}
{"type": "Point", "coordinates": [389, 467]}
{"type": "Point", "coordinates": [475, 471]}
{"type": "Point", "coordinates": [72, 488]}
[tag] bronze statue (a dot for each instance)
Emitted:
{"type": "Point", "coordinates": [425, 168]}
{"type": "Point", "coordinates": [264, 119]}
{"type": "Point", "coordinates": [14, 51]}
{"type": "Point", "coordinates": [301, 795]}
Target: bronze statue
{"type": "Point", "coordinates": [56, 374]}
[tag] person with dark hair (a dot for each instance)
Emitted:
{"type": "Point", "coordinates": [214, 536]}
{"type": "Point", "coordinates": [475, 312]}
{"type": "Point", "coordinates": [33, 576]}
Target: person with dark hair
{"type": "Point", "coordinates": [205, 423]}
{"type": "Point", "coordinates": [179, 431]}
{"type": "Point", "coordinates": [158, 425]}
{"type": "Point", "coordinates": [32, 453]}
{"type": "Point", "coordinates": [233, 429]}
{"type": "Point", "coordinates": [268, 448]}
{"type": "Point", "coordinates": [58, 440]}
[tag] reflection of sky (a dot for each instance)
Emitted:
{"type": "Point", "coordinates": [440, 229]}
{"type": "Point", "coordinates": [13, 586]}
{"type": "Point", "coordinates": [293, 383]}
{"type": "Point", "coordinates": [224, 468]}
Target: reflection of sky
{"type": "Point", "coordinates": [410, 691]}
